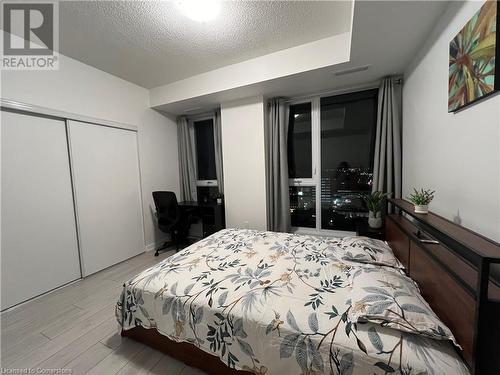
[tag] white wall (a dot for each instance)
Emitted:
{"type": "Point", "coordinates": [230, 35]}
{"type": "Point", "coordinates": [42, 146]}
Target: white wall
{"type": "Point", "coordinates": [458, 155]}
{"type": "Point", "coordinates": [84, 90]}
{"type": "Point", "coordinates": [244, 163]}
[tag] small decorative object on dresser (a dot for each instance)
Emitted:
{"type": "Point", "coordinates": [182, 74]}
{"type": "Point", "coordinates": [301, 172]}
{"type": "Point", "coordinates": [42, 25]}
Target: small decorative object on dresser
{"type": "Point", "coordinates": [374, 202]}
{"type": "Point", "coordinates": [421, 200]}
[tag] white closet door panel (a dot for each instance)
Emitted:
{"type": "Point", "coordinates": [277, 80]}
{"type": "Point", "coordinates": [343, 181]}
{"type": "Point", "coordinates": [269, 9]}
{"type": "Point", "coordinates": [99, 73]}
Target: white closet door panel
{"type": "Point", "coordinates": [39, 244]}
{"type": "Point", "coordinates": [107, 187]}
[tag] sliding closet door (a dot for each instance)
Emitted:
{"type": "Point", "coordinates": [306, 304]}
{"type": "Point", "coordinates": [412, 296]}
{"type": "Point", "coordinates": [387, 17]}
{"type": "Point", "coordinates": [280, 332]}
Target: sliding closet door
{"type": "Point", "coordinates": [39, 243]}
{"type": "Point", "coordinates": [108, 199]}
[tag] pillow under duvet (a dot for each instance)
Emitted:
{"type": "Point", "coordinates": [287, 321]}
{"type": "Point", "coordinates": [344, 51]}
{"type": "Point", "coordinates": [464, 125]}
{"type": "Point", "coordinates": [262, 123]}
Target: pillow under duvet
{"type": "Point", "coordinates": [353, 250]}
{"type": "Point", "coordinates": [386, 296]}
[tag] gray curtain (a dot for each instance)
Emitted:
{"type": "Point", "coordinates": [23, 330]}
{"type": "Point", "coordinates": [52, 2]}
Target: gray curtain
{"type": "Point", "coordinates": [387, 161]}
{"type": "Point", "coordinates": [278, 204]}
{"type": "Point", "coordinates": [218, 151]}
{"type": "Point", "coordinates": [187, 169]}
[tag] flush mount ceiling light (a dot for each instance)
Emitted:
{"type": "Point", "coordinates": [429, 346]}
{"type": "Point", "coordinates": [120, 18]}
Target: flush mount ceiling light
{"type": "Point", "coordinates": [199, 10]}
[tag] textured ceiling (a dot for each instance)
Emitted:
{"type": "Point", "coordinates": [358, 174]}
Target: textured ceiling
{"type": "Point", "coordinates": [386, 35]}
{"type": "Point", "coordinates": [151, 43]}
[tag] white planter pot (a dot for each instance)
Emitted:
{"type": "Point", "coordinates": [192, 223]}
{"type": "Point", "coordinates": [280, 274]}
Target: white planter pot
{"type": "Point", "coordinates": [424, 209]}
{"type": "Point", "coordinates": [374, 220]}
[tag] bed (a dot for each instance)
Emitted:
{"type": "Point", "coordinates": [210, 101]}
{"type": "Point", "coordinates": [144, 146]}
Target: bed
{"type": "Point", "coordinates": [273, 303]}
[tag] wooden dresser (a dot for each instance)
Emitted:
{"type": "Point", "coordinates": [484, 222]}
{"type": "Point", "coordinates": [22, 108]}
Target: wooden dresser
{"type": "Point", "coordinates": [452, 265]}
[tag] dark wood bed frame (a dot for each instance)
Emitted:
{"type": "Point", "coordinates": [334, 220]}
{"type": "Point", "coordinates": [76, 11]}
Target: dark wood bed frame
{"type": "Point", "coordinates": [451, 265]}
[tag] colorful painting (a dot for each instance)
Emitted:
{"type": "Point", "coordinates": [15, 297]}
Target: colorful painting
{"type": "Point", "coordinates": [473, 53]}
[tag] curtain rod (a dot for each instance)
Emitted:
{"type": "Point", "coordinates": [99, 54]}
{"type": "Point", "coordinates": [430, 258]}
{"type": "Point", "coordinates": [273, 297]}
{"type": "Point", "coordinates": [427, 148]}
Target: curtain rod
{"type": "Point", "coordinates": [337, 91]}
{"type": "Point", "coordinates": [200, 115]}
{"type": "Point", "coordinates": [367, 86]}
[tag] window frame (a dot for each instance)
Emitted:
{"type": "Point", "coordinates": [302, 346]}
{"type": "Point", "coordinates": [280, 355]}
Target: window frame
{"type": "Point", "coordinates": [191, 121]}
{"type": "Point", "coordinates": [316, 161]}
{"type": "Point", "coordinates": [314, 181]}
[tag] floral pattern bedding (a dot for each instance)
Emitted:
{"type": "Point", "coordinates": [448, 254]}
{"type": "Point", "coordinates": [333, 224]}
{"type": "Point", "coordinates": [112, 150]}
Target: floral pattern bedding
{"type": "Point", "coordinates": [367, 250]}
{"type": "Point", "coordinates": [386, 296]}
{"type": "Point", "coordinates": [274, 303]}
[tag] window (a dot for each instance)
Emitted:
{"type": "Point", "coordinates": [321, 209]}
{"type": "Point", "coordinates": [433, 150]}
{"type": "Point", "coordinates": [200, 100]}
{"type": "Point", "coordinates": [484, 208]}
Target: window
{"type": "Point", "coordinates": [301, 172]}
{"type": "Point", "coordinates": [348, 124]}
{"type": "Point", "coordinates": [205, 152]}
{"type": "Point", "coordinates": [303, 206]}
{"type": "Point", "coordinates": [330, 156]}
{"type": "Point", "coordinates": [299, 141]}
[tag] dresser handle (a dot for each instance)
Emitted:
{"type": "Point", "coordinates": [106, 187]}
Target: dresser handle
{"type": "Point", "coordinates": [425, 240]}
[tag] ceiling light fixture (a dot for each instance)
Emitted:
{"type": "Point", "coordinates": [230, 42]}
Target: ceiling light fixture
{"type": "Point", "coordinates": [199, 10]}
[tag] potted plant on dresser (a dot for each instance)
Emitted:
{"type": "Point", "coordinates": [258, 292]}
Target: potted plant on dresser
{"type": "Point", "coordinates": [421, 200]}
{"type": "Point", "coordinates": [375, 201]}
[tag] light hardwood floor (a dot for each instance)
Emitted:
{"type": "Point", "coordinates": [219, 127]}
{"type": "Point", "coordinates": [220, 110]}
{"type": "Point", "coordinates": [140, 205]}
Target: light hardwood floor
{"type": "Point", "coordinates": [74, 328]}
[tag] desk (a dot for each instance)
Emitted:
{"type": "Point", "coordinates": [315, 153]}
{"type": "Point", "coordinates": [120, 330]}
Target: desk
{"type": "Point", "coordinates": [211, 215]}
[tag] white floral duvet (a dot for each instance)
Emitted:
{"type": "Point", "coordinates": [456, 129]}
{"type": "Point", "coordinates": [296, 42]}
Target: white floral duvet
{"type": "Point", "coordinates": [274, 303]}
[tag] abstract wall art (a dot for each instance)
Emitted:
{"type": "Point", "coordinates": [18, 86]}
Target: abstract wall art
{"type": "Point", "coordinates": [473, 55]}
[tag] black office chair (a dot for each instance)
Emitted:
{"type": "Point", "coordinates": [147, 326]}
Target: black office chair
{"type": "Point", "coordinates": [172, 219]}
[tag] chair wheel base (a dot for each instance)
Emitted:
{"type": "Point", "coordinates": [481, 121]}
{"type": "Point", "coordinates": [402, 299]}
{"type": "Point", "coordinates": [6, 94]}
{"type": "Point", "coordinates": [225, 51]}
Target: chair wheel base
{"type": "Point", "coordinates": [165, 246]}
{"type": "Point", "coordinates": [176, 243]}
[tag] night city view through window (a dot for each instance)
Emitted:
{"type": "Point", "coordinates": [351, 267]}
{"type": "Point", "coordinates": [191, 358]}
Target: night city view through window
{"type": "Point", "coordinates": [346, 131]}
